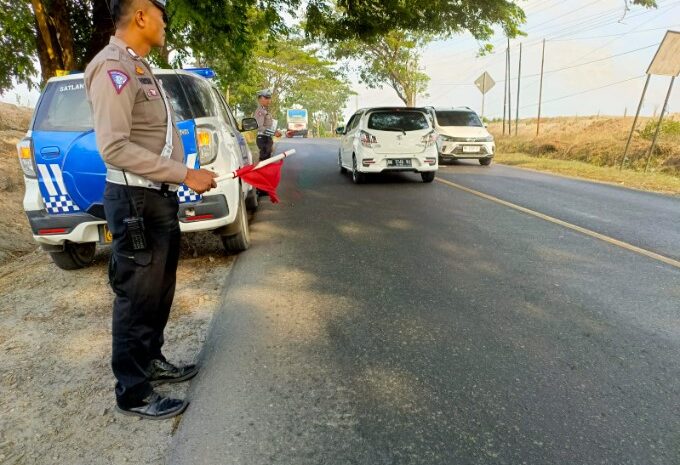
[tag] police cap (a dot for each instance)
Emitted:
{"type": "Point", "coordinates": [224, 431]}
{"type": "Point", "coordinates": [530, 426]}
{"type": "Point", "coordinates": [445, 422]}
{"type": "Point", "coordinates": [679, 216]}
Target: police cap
{"type": "Point", "coordinates": [267, 93]}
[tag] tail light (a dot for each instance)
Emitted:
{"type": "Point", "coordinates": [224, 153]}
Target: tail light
{"type": "Point", "coordinates": [367, 140]}
{"type": "Point", "coordinates": [207, 144]}
{"type": "Point", "coordinates": [25, 151]}
{"type": "Point", "coordinates": [429, 139]}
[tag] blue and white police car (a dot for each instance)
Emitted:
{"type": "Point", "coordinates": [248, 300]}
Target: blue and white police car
{"type": "Point", "coordinates": [65, 176]}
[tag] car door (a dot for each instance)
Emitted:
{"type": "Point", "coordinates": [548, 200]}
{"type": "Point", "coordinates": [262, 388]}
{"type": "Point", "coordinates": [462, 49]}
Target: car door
{"type": "Point", "coordinates": [347, 142]}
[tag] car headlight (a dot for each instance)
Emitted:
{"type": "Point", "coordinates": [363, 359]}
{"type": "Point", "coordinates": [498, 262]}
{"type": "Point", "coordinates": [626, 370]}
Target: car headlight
{"type": "Point", "coordinates": [466, 139]}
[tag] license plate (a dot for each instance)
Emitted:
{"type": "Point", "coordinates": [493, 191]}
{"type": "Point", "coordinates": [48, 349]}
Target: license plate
{"type": "Point", "coordinates": [471, 148]}
{"type": "Point", "coordinates": [105, 235]}
{"type": "Point", "coordinates": [399, 162]}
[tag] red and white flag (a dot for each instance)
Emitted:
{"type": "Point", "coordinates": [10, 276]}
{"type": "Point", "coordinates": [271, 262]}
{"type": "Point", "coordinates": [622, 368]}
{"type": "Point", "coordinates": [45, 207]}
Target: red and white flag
{"type": "Point", "coordinates": [264, 176]}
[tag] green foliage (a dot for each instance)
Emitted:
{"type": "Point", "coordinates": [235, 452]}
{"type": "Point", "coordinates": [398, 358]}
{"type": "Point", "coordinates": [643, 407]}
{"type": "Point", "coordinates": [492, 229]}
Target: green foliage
{"type": "Point", "coordinates": [17, 44]}
{"type": "Point", "coordinates": [297, 75]}
{"type": "Point", "coordinates": [668, 128]}
{"type": "Point", "coordinates": [391, 59]}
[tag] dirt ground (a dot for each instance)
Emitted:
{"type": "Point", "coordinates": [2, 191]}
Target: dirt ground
{"type": "Point", "coordinates": [56, 386]}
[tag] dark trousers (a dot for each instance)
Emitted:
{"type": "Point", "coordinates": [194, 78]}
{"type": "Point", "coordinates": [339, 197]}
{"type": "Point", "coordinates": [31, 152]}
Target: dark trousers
{"type": "Point", "coordinates": [143, 282]}
{"type": "Point", "coordinates": [265, 144]}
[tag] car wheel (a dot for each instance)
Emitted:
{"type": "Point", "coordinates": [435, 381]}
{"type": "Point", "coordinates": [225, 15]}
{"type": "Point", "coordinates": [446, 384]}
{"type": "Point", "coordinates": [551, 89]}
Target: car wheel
{"type": "Point", "coordinates": [357, 176]}
{"type": "Point", "coordinates": [240, 241]}
{"type": "Point", "coordinates": [485, 161]}
{"type": "Point", "coordinates": [251, 200]}
{"type": "Point", "coordinates": [343, 170]}
{"type": "Point", "coordinates": [74, 256]}
{"type": "Point", "coordinates": [427, 176]}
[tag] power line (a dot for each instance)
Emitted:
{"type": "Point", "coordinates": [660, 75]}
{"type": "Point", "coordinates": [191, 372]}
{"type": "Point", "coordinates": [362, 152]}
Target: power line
{"type": "Point", "coordinates": [586, 91]}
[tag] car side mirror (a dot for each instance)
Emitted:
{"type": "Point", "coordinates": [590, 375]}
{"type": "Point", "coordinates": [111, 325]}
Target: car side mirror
{"type": "Point", "coordinates": [248, 124]}
{"type": "Point", "coordinates": [340, 130]}
{"type": "Point", "coordinates": [486, 125]}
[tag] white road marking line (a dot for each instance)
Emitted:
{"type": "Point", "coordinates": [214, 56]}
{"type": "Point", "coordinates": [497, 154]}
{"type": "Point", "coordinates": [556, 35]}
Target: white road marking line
{"type": "Point", "coordinates": [573, 227]}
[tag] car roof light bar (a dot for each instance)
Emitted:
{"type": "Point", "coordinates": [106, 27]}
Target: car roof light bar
{"type": "Point", "coordinates": [207, 73]}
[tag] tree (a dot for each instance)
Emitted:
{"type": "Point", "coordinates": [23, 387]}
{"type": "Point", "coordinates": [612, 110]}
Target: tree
{"type": "Point", "coordinates": [338, 20]}
{"type": "Point", "coordinates": [391, 59]}
{"type": "Point", "coordinates": [66, 34]}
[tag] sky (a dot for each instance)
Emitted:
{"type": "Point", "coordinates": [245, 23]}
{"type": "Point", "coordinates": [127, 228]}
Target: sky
{"type": "Point", "coordinates": [576, 32]}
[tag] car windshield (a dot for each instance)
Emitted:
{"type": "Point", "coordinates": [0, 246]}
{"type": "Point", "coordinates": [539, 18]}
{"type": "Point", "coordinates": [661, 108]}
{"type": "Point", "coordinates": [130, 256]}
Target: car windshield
{"type": "Point", "coordinates": [397, 121]}
{"type": "Point", "coordinates": [458, 118]}
{"type": "Point", "coordinates": [64, 107]}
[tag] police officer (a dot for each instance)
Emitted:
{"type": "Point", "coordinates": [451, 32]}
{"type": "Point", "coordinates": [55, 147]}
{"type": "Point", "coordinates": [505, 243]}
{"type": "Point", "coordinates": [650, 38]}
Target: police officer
{"type": "Point", "coordinates": [137, 138]}
{"type": "Point", "coordinates": [266, 129]}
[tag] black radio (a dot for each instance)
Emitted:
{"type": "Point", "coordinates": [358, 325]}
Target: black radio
{"type": "Point", "coordinates": [135, 232]}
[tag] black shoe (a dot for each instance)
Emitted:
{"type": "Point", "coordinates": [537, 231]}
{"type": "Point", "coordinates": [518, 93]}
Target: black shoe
{"type": "Point", "coordinates": [161, 371]}
{"type": "Point", "coordinates": [156, 407]}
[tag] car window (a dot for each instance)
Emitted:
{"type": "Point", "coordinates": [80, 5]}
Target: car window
{"type": "Point", "coordinates": [397, 121]}
{"type": "Point", "coordinates": [64, 107]}
{"type": "Point", "coordinates": [458, 118]}
{"type": "Point", "coordinates": [176, 95]}
{"type": "Point", "coordinates": [224, 110]}
{"type": "Point", "coordinates": [200, 96]}
{"type": "Point", "coordinates": [353, 122]}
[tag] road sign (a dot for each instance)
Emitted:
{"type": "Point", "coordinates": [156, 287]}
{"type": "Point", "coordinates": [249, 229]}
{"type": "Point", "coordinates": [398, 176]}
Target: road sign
{"type": "Point", "coordinates": [484, 82]}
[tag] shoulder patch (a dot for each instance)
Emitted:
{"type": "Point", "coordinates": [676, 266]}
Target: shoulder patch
{"type": "Point", "coordinates": [119, 79]}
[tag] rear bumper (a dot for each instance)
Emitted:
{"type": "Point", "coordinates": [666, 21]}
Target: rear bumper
{"type": "Point", "coordinates": [212, 212]}
{"type": "Point", "coordinates": [371, 162]}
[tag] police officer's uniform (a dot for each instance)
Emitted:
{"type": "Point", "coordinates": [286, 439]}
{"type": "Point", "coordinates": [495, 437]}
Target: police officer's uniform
{"type": "Point", "coordinates": [140, 144]}
{"type": "Point", "coordinates": [265, 130]}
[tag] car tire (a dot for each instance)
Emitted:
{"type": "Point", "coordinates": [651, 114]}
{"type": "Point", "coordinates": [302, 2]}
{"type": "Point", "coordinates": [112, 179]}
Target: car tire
{"type": "Point", "coordinates": [251, 200]}
{"type": "Point", "coordinates": [428, 176]}
{"type": "Point", "coordinates": [240, 241]}
{"type": "Point", "coordinates": [74, 256]}
{"type": "Point", "coordinates": [343, 170]}
{"type": "Point", "coordinates": [357, 176]}
{"type": "Point", "coordinates": [485, 161]}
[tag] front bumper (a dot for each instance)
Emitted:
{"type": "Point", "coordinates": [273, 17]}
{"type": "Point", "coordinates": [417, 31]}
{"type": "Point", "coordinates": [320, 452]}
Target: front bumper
{"type": "Point", "coordinates": [449, 150]}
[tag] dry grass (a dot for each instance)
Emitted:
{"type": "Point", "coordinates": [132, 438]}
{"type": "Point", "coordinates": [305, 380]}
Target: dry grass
{"type": "Point", "coordinates": [592, 147]}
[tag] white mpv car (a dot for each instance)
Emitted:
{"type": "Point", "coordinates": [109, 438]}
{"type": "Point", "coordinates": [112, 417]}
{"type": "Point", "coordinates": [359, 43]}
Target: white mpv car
{"type": "Point", "coordinates": [377, 140]}
{"type": "Point", "coordinates": [462, 135]}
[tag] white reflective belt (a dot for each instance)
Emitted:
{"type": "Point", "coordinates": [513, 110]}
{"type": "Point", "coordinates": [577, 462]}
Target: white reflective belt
{"type": "Point", "coordinates": [167, 149]}
{"type": "Point", "coordinates": [117, 176]}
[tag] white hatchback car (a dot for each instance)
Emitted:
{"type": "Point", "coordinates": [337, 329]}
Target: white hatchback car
{"type": "Point", "coordinates": [382, 139]}
{"type": "Point", "coordinates": [462, 135]}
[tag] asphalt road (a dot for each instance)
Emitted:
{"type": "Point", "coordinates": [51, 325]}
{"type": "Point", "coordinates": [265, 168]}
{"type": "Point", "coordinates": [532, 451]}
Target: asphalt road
{"type": "Point", "coordinates": [407, 323]}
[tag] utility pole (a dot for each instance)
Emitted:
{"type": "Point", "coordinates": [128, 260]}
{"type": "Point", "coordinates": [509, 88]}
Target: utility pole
{"type": "Point", "coordinates": [540, 91]}
{"type": "Point", "coordinates": [509, 93]}
{"type": "Point", "coordinates": [505, 89]}
{"type": "Point", "coordinates": [519, 77]}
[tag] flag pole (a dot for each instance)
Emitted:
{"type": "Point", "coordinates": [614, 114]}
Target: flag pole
{"type": "Point", "coordinates": [261, 164]}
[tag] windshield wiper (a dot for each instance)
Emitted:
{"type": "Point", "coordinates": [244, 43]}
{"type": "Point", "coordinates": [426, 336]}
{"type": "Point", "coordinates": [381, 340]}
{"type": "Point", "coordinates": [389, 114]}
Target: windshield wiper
{"type": "Point", "coordinates": [392, 128]}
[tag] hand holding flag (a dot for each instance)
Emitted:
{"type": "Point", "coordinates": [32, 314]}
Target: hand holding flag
{"type": "Point", "coordinates": [264, 176]}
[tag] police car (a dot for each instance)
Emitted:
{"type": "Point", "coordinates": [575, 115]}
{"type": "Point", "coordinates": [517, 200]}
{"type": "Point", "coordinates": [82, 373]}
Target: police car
{"type": "Point", "coordinates": [65, 176]}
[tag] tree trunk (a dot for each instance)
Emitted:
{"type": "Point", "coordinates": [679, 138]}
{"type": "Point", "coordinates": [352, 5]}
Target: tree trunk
{"type": "Point", "coordinates": [102, 30]}
{"type": "Point", "coordinates": [60, 21]}
{"type": "Point", "coordinates": [49, 59]}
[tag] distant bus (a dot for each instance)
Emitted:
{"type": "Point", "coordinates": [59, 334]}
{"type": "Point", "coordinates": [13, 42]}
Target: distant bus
{"type": "Point", "coordinates": [296, 120]}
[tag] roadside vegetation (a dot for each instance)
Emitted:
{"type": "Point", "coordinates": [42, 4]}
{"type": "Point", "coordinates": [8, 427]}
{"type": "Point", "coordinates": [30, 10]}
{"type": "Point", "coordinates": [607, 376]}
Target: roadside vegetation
{"type": "Point", "coordinates": [592, 147]}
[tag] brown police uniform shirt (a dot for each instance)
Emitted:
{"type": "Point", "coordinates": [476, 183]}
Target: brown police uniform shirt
{"type": "Point", "coordinates": [130, 116]}
{"type": "Point", "coordinates": [264, 119]}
